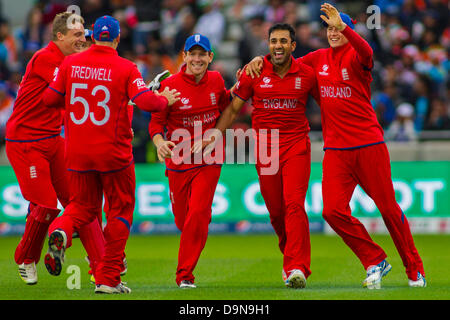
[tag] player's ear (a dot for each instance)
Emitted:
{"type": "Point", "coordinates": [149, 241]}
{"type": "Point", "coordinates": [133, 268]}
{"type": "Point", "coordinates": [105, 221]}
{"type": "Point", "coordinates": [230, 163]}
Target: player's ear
{"type": "Point", "coordinates": [60, 36]}
{"type": "Point", "coordinates": [211, 56]}
{"type": "Point", "coordinates": [184, 55]}
{"type": "Point", "coordinates": [294, 45]}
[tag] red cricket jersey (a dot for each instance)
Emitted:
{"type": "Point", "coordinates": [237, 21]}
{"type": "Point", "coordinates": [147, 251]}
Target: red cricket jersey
{"type": "Point", "coordinates": [343, 79]}
{"type": "Point", "coordinates": [200, 104]}
{"type": "Point", "coordinates": [97, 85]}
{"type": "Point", "coordinates": [30, 119]}
{"type": "Point", "coordinates": [279, 103]}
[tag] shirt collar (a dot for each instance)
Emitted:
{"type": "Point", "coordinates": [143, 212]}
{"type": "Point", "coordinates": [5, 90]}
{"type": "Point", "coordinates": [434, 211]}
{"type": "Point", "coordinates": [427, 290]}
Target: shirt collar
{"type": "Point", "coordinates": [54, 48]}
{"type": "Point", "coordinates": [292, 69]}
{"type": "Point", "coordinates": [103, 49]}
{"type": "Point", "coordinates": [190, 78]}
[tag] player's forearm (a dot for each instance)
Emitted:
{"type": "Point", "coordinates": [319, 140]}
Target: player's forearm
{"type": "Point", "coordinates": [158, 139]}
{"type": "Point", "coordinates": [226, 119]}
{"type": "Point", "coordinates": [150, 102]}
{"type": "Point", "coordinates": [52, 98]}
{"type": "Point", "coordinates": [361, 46]}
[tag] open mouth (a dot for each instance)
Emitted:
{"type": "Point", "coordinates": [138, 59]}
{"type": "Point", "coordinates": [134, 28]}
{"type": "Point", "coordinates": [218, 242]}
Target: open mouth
{"type": "Point", "coordinates": [278, 54]}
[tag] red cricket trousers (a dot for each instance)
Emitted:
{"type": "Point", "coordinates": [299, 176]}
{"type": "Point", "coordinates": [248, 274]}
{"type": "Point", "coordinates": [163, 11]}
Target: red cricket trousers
{"type": "Point", "coordinates": [370, 168]}
{"type": "Point", "coordinates": [284, 194]}
{"type": "Point", "coordinates": [42, 175]}
{"type": "Point", "coordinates": [87, 189]}
{"type": "Point", "coordinates": [192, 193]}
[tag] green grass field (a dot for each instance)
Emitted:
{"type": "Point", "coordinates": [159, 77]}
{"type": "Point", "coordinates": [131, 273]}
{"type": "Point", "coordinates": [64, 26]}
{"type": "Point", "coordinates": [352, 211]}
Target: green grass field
{"type": "Point", "coordinates": [237, 267]}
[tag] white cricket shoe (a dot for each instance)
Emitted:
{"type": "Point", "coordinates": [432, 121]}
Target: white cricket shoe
{"type": "Point", "coordinates": [296, 279]}
{"type": "Point", "coordinates": [375, 273]}
{"type": "Point", "coordinates": [28, 273]}
{"type": "Point", "coordinates": [185, 284]}
{"type": "Point", "coordinates": [120, 288]}
{"type": "Point", "coordinates": [420, 282]}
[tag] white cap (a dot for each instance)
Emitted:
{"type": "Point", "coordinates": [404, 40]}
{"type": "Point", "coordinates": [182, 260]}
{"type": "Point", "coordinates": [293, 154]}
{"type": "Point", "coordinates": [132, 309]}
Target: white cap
{"type": "Point", "coordinates": [405, 110]}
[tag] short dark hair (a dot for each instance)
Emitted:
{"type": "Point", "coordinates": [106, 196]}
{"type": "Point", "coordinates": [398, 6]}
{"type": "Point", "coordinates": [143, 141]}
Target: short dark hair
{"type": "Point", "coordinates": [283, 26]}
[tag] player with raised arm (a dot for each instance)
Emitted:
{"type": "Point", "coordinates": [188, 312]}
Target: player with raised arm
{"type": "Point", "coordinates": [192, 183]}
{"type": "Point", "coordinates": [35, 148]}
{"type": "Point", "coordinates": [355, 152]}
{"type": "Point", "coordinates": [96, 86]}
{"type": "Point", "coordinates": [279, 98]}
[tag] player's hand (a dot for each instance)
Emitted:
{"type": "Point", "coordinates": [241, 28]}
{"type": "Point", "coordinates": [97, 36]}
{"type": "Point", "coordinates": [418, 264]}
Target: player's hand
{"type": "Point", "coordinates": [238, 74]}
{"type": "Point", "coordinates": [171, 95]}
{"type": "Point", "coordinates": [164, 150]}
{"type": "Point", "coordinates": [332, 18]}
{"type": "Point", "coordinates": [254, 67]}
{"type": "Point", "coordinates": [207, 144]}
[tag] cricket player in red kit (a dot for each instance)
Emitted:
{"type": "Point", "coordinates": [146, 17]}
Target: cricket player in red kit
{"type": "Point", "coordinates": [355, 152]}
{"type": "Point", "coordinates": [279, 97]}
{"type": "Point", "coordinates": [96, 86]}
{"type": "Point", "coordinates": [192, 183]}
{"type": "Point", "coordinates": [35, 149]}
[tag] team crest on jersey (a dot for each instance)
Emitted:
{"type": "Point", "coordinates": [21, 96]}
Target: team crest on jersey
{"type": "Point", "coordinates": [266, 84]}
{"type": "Point", "coordinates": [324, 70]}
{"type": "Point", "coordinates": [298, 83]}
{"type": "Point", "coordinates": [213, 98]}
{"type": "Point", "coordinates": [186, 105]}
{"type": "Point", "coordinates": [345, 74]}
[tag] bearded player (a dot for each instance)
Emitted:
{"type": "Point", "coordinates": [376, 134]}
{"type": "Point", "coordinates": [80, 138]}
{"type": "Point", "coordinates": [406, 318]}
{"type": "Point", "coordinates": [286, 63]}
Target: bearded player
{"type": "Point", "coordinates": [279, 97]}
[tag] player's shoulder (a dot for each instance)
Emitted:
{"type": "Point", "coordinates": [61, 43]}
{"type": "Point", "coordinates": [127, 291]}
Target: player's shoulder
{"type": "Point", "coordinates": [215, 77]}
{"type": "Point", "coordinates": [305, 68]}
{"type": "Point", "coordinates": [124, 63]}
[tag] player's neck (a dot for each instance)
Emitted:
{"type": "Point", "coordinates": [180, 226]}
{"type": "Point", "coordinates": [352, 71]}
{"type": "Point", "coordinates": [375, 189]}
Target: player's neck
{"type": "Point", "coordinates": [283, 69]}
{"type": "Point", "coordinates": [107, 44]}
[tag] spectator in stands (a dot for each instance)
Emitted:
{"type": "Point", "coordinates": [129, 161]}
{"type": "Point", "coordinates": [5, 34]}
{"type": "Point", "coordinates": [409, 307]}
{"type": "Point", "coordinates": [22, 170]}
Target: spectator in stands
{"type": "Point", "coordinates": [211, 23]}
{"type": "Point", "coordinates": [402, 128]}
{"type": "Point", "coordinates": [6, 107]}
{"type": "Point", "coordinates": [439, 118]}
{"type": "Point", "coordinates": [254, 41]}
{"type": "Point", "coordinates": [421, 94]}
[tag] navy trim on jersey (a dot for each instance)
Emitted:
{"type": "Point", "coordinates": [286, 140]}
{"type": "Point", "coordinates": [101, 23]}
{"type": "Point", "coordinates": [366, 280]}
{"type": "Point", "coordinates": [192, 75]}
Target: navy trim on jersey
{"type": "Point", "coordinates": [56, 135]}
{"type": "Point", "coordinates": [201, 166]}
{"type": "Point", "coordinates": [93, 170]}
{"type": "Point", "coordinates": [63, 94]}
{"type": "Point", "coordinates": [239, 96]}
{"type": "Point", "coordinates": [357, 147]}
{"type": "Point", "coordinates": [132, 99]}
{"type": "Point", "coordinates": [125, 222]}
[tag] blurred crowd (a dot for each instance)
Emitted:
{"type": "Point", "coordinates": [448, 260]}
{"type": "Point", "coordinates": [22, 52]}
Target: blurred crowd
{"type": "Point", "coordinates": [411, 44]}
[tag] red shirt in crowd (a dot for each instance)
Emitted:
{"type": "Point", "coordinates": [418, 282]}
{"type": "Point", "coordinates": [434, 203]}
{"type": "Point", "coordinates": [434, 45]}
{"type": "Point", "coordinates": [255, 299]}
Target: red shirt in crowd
{"type": "Point", "coordinates": [97, 85]}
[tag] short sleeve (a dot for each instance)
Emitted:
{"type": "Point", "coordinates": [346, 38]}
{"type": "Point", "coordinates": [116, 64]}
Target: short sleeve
{"type": "Point", "coordinates": [244, 87]}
